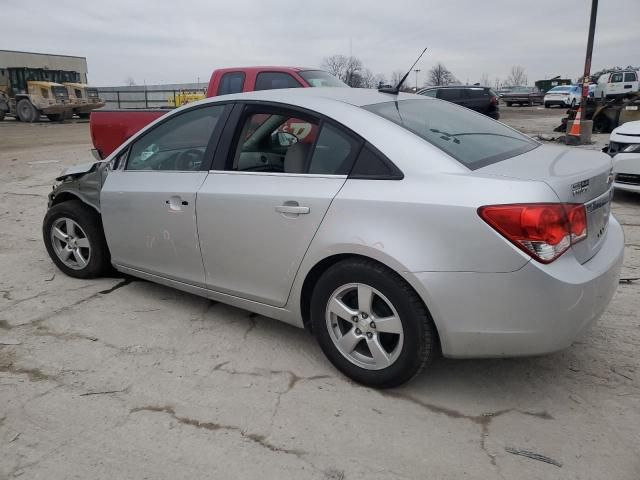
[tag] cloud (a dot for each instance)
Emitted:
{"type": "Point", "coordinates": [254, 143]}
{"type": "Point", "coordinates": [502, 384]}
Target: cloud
{"type": "Point", "coordinates": [163, 42]}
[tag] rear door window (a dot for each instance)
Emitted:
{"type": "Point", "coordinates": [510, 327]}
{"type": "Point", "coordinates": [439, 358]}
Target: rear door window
{"type": "Point", "coordinates": [232, 82]}
{"type": "Point", "coordinates": [274, 80]}
{"type": "Point", "coordinates": [476, 93]}
{"type": "Point", "coordinates": [630, 77]}
{"type": "Point", "coordinates": [472, 139]}
{"type": "Point", "coordinates": [450, 94]}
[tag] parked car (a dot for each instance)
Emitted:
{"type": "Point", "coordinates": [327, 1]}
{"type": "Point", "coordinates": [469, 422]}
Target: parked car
{"type": "Point", "coordinates": [406, 225]}
{"type": "Point", "coordinates": [523, 96]}
{"type": "Point", "coordinates": [615, 84]}
{"type": "Point", "coordinates": [109, 128]}
{"type": "Point", "coordinates": [624, 147]}
{"type": "Point", "coordinates": [480, 99]}
{"type": "Point", "coordinates": [564, 96]}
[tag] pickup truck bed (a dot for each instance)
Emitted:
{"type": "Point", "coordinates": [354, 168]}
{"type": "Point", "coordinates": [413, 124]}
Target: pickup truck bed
{"type": "Point", "coordinates": [110, 128]}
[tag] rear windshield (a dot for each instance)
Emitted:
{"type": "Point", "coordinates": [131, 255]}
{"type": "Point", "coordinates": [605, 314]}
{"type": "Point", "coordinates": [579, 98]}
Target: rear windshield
{"type": "Point", "coordinates": [471, 138]}
{"type": "Point", "coordinates": [320, 78]}
{"type": "Point", "coordinates": [561, 89]}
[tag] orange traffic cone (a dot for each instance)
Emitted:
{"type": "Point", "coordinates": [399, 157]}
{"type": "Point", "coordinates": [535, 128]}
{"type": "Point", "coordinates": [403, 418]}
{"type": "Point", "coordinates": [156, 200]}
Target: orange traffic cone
{"type": "Point", "coordinates": [575, 126]}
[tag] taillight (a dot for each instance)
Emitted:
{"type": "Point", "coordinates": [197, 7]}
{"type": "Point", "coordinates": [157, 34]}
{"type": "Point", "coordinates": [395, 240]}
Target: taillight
{"type": "Point", "coordinates": [493, 100]}
{"type": "Point", "coordinates": [543, 230]}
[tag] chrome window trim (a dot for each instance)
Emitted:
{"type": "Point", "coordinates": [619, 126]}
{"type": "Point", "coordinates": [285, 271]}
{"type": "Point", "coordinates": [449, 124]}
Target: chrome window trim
{"type": "Point", "coordinates": [280, 174]}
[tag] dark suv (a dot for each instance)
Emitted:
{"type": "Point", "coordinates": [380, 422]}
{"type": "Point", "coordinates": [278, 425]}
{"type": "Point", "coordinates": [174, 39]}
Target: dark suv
{"type": "Point", "coordinates": [480, 99]}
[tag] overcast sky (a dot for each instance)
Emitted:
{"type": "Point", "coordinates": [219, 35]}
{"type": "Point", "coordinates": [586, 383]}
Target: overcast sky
{"type": "Point", "coordinates": [181, 41]}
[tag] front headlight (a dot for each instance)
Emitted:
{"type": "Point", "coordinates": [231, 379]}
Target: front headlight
{"type": "Point", "coordinates": [631, 148]}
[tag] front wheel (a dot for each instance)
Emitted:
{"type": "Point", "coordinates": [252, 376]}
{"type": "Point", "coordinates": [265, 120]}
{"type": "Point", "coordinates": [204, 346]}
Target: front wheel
{"type": "Point", "coordinates": [74, 239]}
{"type": "Point", "coordinates": [371, 324]}
{"type": "Point", "coordinates": [26, 112]}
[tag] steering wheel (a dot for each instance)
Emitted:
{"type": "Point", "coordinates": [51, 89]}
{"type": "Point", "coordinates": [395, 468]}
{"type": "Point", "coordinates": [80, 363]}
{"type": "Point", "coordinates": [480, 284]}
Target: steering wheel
{"type": "Point", "coordinates": [189, 160]}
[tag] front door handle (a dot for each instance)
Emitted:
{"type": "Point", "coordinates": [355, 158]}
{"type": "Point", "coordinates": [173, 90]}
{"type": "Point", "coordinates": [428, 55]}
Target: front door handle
{"type": "Point", "coordinates": [292, 209]}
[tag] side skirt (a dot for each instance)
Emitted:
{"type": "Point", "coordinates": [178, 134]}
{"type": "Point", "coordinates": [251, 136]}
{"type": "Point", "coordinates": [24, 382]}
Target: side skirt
{"type": "Point", "coordinates": [281, 314]}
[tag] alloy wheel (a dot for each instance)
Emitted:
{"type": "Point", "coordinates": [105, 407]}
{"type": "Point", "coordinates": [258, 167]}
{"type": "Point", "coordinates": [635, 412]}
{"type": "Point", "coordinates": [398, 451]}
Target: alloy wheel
{"type": "Point", "coordinates": [70, 243]}
{"type": "Point", "coordinates": [364, 326]}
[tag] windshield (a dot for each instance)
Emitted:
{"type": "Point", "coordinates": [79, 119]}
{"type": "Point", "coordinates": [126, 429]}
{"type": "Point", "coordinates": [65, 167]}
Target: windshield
{"type": "Point", "coordinates": [319, 78]}
{"type": "Point", "coordinates": [560, 89]}
{"type": "Point", "coordinates": [471, 138]}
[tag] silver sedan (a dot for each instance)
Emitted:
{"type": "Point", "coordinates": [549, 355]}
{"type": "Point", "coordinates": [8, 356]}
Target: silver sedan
{"type": "Point", "coordinates": [394, 227]}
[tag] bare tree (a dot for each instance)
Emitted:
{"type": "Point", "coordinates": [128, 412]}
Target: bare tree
{"type": "Point", "coordinates": [396, 76]}
{"type": "Point", "coordinates": [484, 80]}
{"type": "Point", "coordinates": [517, 77]}
{"type": "Point", "coordinates": [129, 81]}
{"type": "Point", "coordinates": [336, 65]}
{"type": "Point", "coordinates": [440, 76]}
{"type": "Point", "coordinates": [347, 69]}
{"type": "Point", "coordinates": [368, 79]}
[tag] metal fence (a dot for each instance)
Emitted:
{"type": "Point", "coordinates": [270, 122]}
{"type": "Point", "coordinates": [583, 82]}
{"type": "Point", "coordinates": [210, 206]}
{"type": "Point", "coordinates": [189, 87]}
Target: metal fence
{"type": "Point", "coordinates": [144, 98]}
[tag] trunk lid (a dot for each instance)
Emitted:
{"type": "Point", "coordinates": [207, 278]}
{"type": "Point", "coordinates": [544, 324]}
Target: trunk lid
{"type": "Point", "coordinates": [576, 176]}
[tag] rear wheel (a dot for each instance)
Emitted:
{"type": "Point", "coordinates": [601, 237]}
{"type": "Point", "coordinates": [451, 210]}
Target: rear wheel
{"type": "Point", "coordinates": [546, 105]}
{"type": "Point", "coordinates": [371, 324]}
{"type": "Point", "coordinates": [26, 112]}
{"type": "Point", "coordinates": [84, 115]}
{"type": "Point", "coordinates": [509, 104]}
{"type": "Point", "coordinates": [55, 117]}
{"type": "Point", "coordinates": [73, 235]}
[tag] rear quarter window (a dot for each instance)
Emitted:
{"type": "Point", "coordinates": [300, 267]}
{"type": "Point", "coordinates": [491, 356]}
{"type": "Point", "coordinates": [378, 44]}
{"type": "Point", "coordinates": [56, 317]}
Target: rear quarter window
{"type": "Point", "coordinates": [471, 138]}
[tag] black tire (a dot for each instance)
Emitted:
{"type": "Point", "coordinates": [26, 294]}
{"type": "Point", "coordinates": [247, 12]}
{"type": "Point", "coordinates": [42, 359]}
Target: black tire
{"type": "Point", "coordinates": [26, 112]}
{"type": "Point", "coordinates": [420, 337]}
{"type": "Point", "coordinates": [55, 117]}
{"type": "Point", "coordinates": [89, 221]}
{"type": "Point", "coordinates": [509, 104]}
{"type": "Point", "coordinates": [546, 105]}
{"type": "Point", "coordinates": [84, 116]}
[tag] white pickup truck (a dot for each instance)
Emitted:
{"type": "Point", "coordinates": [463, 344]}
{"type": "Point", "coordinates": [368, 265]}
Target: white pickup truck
{"type": "Point", "coordinates": [618, 83]}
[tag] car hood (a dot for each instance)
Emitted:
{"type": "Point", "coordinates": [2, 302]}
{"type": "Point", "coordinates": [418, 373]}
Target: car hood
{"type": "Point", "coordinates": [627, 133]}
{"type": "Point", "coordinates": [77, 170]}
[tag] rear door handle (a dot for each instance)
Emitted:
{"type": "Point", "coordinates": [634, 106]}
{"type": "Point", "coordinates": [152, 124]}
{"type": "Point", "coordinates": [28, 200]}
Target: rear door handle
{"type": "Point", "coordinates": [292, 209]}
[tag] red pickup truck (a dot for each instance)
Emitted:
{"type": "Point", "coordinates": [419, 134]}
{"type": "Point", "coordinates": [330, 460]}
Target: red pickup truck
{"type": "Point", "coordinates": [110, 128]}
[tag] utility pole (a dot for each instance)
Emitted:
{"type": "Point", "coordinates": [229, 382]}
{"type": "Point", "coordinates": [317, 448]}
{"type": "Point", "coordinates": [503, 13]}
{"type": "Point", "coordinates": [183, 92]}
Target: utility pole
{"type": "Point", "coordinates": [587, 70]}
{"type": "Point", "coordinates": [417, 70]}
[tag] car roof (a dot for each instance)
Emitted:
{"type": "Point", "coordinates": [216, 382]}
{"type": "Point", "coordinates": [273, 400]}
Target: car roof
{"type": "Point", "coordinates": [264, 68]}
{"type": "Point", "coordinates": [452, 86]}
{"type": "Point", "coordinates": [358, 97]}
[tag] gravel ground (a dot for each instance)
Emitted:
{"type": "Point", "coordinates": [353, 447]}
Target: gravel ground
{"type": "Point", "coordinates": [121, 378]}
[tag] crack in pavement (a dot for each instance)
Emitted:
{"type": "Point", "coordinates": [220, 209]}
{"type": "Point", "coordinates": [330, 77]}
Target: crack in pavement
{"type": "Point", "coordinates": [7, 365]}
{"type": "Point", "coordinates": [294, 379]}
{"type": "Point", "coordinates": [212, 426]}
{"type": "Point", "coordinates": [483, 420]}
{"type": "Point", "coordinates": [66, 308]}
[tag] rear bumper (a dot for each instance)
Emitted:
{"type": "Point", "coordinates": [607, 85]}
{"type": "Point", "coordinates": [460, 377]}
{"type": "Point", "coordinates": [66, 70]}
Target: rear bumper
{"type": "Point", "coordinates": [626, 172]}
{"type": "Point", "coordinates": [557, 101]}
{"type": "Point", "coordinates": [535, 310]}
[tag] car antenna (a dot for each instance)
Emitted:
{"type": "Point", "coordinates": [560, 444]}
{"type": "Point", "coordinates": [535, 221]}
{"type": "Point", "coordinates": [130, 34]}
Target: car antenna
{"type": "Point", "coordinates": [396, 90]}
